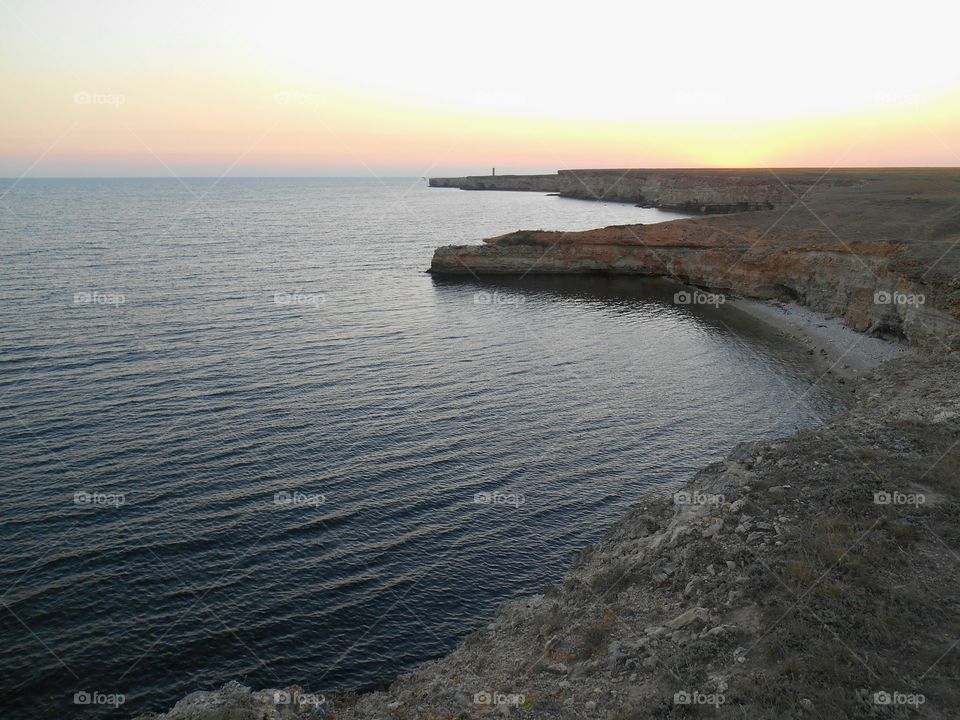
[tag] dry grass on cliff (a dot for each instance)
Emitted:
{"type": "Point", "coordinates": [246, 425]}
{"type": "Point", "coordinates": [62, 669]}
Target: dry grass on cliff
{"type": "Point", "coordinates": [865, 600]}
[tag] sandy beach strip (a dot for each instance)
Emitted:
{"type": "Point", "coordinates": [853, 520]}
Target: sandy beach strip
{"type": "Point", "coordinates": [848, 352]}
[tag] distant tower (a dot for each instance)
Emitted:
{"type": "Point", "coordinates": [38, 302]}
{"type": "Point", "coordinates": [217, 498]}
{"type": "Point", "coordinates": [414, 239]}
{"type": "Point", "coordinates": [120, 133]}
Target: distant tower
{"type": "Point", "coordinates": [493, 172]}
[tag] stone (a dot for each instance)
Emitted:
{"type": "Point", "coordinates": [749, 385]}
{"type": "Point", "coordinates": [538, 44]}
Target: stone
{"type": "Point", "coordinates": [737, 505]}
{"type": "Point", "coordinates": [689, 617]}
{"type": "Point", "coordinates": [720, 630]}
{"type": "Point", "coordinates": [712, 529]}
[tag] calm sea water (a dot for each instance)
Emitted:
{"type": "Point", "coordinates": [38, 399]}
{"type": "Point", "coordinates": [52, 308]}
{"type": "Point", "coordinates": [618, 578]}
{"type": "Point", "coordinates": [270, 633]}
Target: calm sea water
{"type": "Point", "coordinates": [243, 432]}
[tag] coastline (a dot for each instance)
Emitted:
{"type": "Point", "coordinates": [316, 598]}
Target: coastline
{"type": "Point", "coordinates": [777, 583]}
{"type": "Point", "coordinates": [688, 594]}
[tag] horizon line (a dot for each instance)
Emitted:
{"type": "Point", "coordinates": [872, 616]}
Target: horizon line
{"type": "Point", "coordinates": [368, 176]}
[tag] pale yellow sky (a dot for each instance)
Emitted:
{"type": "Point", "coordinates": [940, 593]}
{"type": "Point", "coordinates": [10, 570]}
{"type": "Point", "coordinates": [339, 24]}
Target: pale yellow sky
{"type": "Point", "coordinates": [428, 88]}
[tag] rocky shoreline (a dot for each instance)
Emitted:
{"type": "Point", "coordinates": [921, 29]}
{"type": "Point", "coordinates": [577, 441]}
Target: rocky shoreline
{"type": "Point", "coordinates": [812, 576]}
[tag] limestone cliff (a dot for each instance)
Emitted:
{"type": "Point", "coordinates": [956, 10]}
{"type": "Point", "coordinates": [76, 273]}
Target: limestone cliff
{"type": "Point", "coordinates": [862, 248]}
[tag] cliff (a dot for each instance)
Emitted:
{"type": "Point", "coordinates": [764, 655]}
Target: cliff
{"type": "Point", "coordinates": [696, 191]}
{"type": "Point", "coordinates": [872, 248]}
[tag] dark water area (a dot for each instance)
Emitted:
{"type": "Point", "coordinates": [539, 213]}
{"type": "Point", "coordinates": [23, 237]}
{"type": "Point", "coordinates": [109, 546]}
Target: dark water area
{"type": "Point", "coordinates": [245, 436]}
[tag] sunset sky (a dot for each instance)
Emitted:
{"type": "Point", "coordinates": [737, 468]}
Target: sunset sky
{"type": "Point", "coordinates": [96, 88]}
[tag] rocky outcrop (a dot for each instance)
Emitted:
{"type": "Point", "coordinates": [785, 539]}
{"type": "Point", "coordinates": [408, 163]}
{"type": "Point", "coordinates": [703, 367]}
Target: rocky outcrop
{"type": "Point", "coordinates": [863, 283]}
{"type": "Point", "coordinates": [238, 702]}
{"type": "Point", "coordinates": [515, 183]}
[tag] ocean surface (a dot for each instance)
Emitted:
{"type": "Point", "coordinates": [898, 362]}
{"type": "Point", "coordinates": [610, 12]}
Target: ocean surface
{"type": "Point", "coordinates": [245, 436]}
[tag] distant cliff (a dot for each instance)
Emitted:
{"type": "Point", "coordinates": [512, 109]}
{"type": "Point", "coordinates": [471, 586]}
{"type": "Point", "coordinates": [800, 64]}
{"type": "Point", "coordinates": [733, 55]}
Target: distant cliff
{"type": "Point", "coordinates": [696, 191]}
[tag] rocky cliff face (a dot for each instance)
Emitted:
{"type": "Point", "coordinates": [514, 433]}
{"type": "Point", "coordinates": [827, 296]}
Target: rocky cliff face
{"type": "Point", "coordinates": [859, 249]}
{"type": "Point", "coordinates": [864, 283]}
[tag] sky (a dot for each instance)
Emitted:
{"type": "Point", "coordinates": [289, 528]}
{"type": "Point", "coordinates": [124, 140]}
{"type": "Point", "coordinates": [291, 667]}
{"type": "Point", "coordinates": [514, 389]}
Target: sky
{"type": "Point", "coordinates": [291, 88]}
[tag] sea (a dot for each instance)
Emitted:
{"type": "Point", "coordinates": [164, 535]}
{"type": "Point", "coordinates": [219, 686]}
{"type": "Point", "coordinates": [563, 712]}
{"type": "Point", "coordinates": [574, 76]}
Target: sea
{"type": "Point", "coordinates": [245, 436]}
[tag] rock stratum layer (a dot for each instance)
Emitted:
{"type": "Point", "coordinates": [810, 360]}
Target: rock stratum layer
{"type": "Point", "coordinates": [871, 247]}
